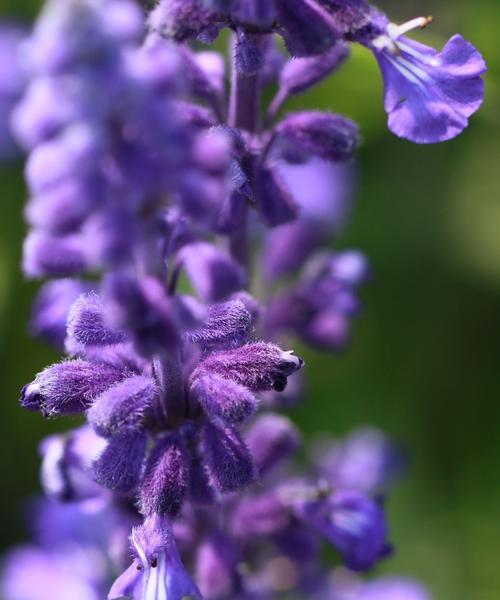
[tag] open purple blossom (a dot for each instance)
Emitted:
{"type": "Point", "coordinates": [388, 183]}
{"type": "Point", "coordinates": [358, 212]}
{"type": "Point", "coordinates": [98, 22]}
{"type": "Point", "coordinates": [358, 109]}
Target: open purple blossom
{"type": "Point", "coordinates": [429, 95]}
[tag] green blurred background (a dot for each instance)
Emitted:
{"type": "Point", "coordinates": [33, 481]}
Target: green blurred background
{"type": "Point", "coordinates": [424, 363]}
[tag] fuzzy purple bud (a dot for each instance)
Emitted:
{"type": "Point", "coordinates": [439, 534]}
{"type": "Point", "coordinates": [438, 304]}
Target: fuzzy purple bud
{"type": "Point", "coordinates": [86, 323]}
{"type": "Point", "coordinates": [165, 480]}
{"type": "Point", "coordinates": [119, 466]}
{"type": "Point", "coordinates": [124, 407]}
{"type": "Point", "coordinates": [223, 399]}
{"type": "Point", "coordinates": [228, 461]}
{"type": "Point", "coordinates": [271, 439]}
{"type": "Point", "coordinates": [276, 202]}
{"type": "Point", "coordinates": [227, 325]}
{"type": "Point", "coordinates": [260, 366]}
{"type": "Point", "coordinates": [325, 135]}
{"type": "Point", "coordinates": [212, 273]}
{"type": "Point", "coordinates": [47, 255]}
{"type": "Point", "coordinates": [68, 388]}
{"type": "Point", "coordinates": [307, 28]}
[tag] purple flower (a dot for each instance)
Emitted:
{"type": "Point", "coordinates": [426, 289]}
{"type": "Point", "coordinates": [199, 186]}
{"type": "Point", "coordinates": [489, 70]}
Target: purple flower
{"type": "Point", "coordinates": [365, 461]}
{"type": "Point", "coordinates": [352, 522]}
{"type": "Point", "coordinates": [51, 307]}
{"type": "Point", "coordinates": [429, 95]}
{"type": "Point", "coordinates": [157, 571]}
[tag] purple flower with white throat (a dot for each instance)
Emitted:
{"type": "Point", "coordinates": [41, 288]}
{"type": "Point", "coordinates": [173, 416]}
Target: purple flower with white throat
{"type": "Point", "coordinates": [157, 571]}
{"type": "Point", "coordinates": [429, 95]}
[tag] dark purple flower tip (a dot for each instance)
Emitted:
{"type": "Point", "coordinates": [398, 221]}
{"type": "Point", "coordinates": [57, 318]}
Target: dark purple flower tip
{"type": "Point", "coordinates": [227, 459]}
{"type": "Point", "coordinates": [62, 209]}
{"type": "Point", "coordinates": [393, 588]}
{"type": "Point", "coordinates": [260, 366]}
{"type": "Point", "coordinates": [119, 466]}
{"type": "Point", "coordinates": [354, 523]}
{"type": "Point", "coordinates": [300, 74]}
{"type": "Point", "coordinates": [68, 388]}
{"type": "Point", "coordinates": [298, 543]}
{"type": "Point", "coordinates": [157, 570]}
{"type": "Point", "coordinates": [48, 255]}
{"type": "Point", "coordinates": [143, 308]}
{"type": "Point", "coordinates": [51, 307]}
{"type": "Point", "coordinates": [275, 200]}
{"type": "Point", "coordinates": [429, 95]}
{"type": "Point", "coordinates": [325, 135]}
{"type": "Point", "coordinates": [165, 481]}
{"type": "Point", "coordinates": [86, 323]}
{"type": "Point", "coordinates": [180, 20]}
{"type": "Point", "coordinates": [223, 399]}
{"type": "Point", "coordinates": [213, 274]}
{"type": "Point", "coordinates": [272, 439]}
{"type": "Point", "coordinates": [248, 56]}
{"type": "Point", "coordinates": [124, 407]}
{"type": "Point", "coordinates": [216, 567]}
{"type": "Point", "coordinates": [227, 325]}
{"type": "Point", "coordinates": [348, 15]}
{"type": "Point", "coordinates": [66, 465]}
{"type": "Point", "coordinates": [307, 28]}
{"type": "Point", "coordinates": [260, 516]}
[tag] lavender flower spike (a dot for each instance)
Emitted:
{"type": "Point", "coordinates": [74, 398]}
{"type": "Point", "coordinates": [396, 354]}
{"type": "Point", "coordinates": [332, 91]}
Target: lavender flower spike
{"type": "Point", "coordinates": [429, 95]}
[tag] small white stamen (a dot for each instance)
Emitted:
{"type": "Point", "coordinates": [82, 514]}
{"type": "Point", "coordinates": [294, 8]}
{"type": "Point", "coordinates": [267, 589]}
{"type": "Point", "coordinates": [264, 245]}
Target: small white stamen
{"type": "Point", "coordinates": [419, 23]}
{"type": "Point", "coordinates": [389, 42]}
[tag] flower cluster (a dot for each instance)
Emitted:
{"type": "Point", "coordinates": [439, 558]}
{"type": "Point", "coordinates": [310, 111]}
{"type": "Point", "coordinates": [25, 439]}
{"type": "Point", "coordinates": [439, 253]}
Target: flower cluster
{"type": "Point", "coordinates": [184, 229]}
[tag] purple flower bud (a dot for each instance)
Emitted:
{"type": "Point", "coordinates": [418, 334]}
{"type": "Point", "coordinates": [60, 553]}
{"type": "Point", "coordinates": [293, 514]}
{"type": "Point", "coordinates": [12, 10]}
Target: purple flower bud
{"type": "Point", "coordinates": [216, 567]}
{"type": "Point", "coordinates": [348, 15]}
{"type": "Point", "coordinates": [179, 19]}
{"type": "Point", "coordinates": [86, 323]}
{"type": "Point", "coordinates": [124, 407]}
{"type": "Point", "coordinates": [271, 439]}
{"type": "Point", "coordinates": [353, 523]}
{"type": "Point", "coordinates": [66, 465]}
{"type": "Point", "coordinates": [260, 516]}
{"type": "Point", "coordinates": [227, 325]}
{"type": "Point", "coordinates": [259, 366]}
{"type": "Point", "coordinates": [276, 202]}
{"type": "Point", "coordinates": [157, 571]}
{"type": "Point", "coordinates": [259, 13]}
{"type": "Point", "coordinates": [62, 209]}
{"type": "Point", "coordinates": [68, 388]}
{"type": "Point", "coordinates": [51, 307]}
{"type": "Point", "coordinates": [299, 74]}
{"type": "Point", "coordinates": [142, 307]}
{"type": "Point", "coordinates": [228, 461]}
{"type": "Point", "coordinates": [223, 399]}
{"type": "Point", "coordinates": [119, 466]}
{"type": "Point", "coordinates": [307, 28]}
{"type": "Point", "coordinates": [248, 56]}
{"type": "Point", "coordinates": [212, 273]}
{"type": "Point", "coordinates": [320, 134]}
{"type": "Point", "coordinates": [165, 482]}
{"type": "Point", "coordinates": [47, 255]}
{"type": "Point", "coordinates": [366, 461]}
{"type": "Point", "coordinates": [75, 153]}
